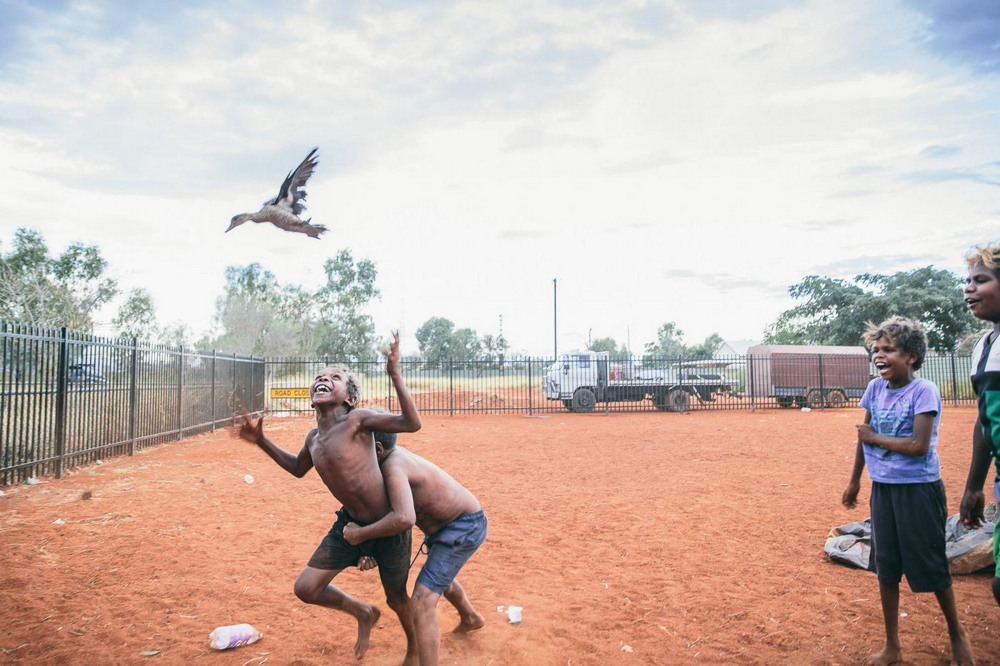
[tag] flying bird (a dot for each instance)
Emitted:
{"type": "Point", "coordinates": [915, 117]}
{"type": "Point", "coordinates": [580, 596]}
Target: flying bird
{"type": "Point", "coordinates": [283, 211]}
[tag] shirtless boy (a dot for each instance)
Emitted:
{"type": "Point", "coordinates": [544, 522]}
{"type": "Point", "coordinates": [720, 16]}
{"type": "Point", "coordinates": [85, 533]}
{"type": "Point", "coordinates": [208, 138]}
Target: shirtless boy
{"type": "Point", "coordinates": [342, 450]}
{"type": "Point", "coordinates": [454, 527]}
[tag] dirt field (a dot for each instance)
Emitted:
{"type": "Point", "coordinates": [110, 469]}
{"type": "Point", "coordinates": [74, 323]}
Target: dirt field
{"type": "Point", "coordinates": [627, 539]}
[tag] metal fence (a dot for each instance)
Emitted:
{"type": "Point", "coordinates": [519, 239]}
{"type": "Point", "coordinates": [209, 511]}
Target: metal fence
{"type": "Point", "coordinates": [68, 398]}
{"type": "Point", "coordinates": [627, 385]}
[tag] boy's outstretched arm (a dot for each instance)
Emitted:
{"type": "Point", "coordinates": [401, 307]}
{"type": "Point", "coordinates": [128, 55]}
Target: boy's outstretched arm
{"type": "Point", "coordinates": [254, 433]}
{"type": "Point", "coordinates": [408, 420]}
{"type": "Point", "coordinates": [973, 501]}
{"type": "Point", "coordinates": [399, 519]}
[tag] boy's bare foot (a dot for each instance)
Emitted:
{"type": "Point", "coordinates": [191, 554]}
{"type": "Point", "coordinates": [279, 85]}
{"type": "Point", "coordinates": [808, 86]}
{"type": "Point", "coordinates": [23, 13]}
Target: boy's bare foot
{"type": "Point", "coordinates": [365, 623]}
{"type": "Point", "coordinates": [471, 623]}
{"type": "Point", "coordinates": [961, 650]}
{"type": "Point", "coordinates": [888, 655]}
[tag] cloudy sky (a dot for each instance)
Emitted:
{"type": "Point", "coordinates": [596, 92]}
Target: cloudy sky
{"type": "Point", "coordinates": [665, 160]}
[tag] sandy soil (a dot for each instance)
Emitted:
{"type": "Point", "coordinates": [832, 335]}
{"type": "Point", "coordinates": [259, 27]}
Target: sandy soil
{"type": "Point", "coordinates": [627, 539]}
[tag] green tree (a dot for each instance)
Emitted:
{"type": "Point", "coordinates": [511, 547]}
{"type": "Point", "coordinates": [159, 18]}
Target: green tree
{"type": "Point", "coordinates": [67, 290]}
{"type": "Point", "coordinates": [439, 341]}
{"type": "Point", "coordinates": [836, 312]}
{"type": "Point", "coordinates": [609, 345]}
{"type": "Point", "coordinates": [669, 341]}
{"type": "Point", "coordinates": [707, 348]}
{"type": "Point", "coordinates": [248, 315]}
{"type": "Point", "coordinates": [342, 330]}
{"type": "Point", "coordinates": [258, 315]}
{"type": "Point", "coordinates": [136, 317]}
{"type": "Point", "coordinates": [434, 339]}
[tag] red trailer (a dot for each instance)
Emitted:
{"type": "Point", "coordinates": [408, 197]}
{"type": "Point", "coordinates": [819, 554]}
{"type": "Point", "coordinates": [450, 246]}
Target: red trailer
{"type": "Point", "coordinates": [808, 375]}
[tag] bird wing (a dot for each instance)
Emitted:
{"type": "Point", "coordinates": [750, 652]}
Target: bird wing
{"type": "Point", "coordinates": [292, 194]}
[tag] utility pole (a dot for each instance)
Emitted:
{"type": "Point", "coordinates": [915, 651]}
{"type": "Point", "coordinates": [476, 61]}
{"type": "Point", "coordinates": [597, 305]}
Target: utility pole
{"type": "Point", "coordinates": [555, 319]}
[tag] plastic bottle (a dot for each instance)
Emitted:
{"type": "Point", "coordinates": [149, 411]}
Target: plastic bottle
{"type": "Point", "coordinates": [223, 638]}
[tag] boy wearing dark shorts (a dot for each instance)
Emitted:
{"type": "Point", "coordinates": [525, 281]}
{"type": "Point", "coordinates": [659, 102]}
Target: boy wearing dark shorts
{"type": "Point", "coordinates": [898, 442]}
{"type": "Point", "coordinates": [342, 449]}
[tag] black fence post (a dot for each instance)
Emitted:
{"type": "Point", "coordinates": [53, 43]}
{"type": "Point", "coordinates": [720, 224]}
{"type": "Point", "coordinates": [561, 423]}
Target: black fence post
{"type": "Point", "coordinates": [61, 396]}
{"type": "Point", "coordinates": [822, 384]}
{"type": "Point", "coordinates": [954, 381]}
{"type": "Point", "coordinates": [451, 387]}
{"type": "Point", "coordinates": [531, 385]}
{"type": "Point", "coordinates": [180, 392]}
{"type": "Point", "coordinates": [212, 390]}
{"type": "Point", "coordinates": [133, 396]}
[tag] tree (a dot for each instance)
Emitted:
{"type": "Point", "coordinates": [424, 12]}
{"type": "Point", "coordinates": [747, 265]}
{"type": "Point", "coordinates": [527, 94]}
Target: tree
{"type": "Point", "coordinates": [248, 313]}
{"type": "Point", "coordinates": [609, 345]}
{"type": "Point", "coordinates": [669, 341]}
{"type": "Point", "coordinates": [343, 331]}
{"type": "Point", "coordinates": [836, 312]}
{"type": "Point", "coordinates": [439, 341]}
{"type": "Point", "coordinates": [63, 291]}
{"type": "Point", "coordinates": [136, 317]}
{"type": "Point", "coordinates": [707, 348]}
{"type": "Point", "coordinates": [434, 339]}
{"type": "Point", "coordinates": [258, 315]}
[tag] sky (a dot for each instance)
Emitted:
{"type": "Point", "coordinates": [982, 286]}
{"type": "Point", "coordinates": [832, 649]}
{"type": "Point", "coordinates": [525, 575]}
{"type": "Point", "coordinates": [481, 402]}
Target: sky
{"type": "Point", "coordinates": [567, 171]}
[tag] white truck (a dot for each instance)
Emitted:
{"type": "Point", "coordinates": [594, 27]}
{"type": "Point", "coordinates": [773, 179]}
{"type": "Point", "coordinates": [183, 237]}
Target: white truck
{"type": "Point", "coordinates": [583, 379]}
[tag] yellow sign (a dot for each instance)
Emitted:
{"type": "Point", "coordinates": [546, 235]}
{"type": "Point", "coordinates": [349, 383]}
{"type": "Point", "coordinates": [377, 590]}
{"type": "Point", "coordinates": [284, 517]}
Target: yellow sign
{"type": "Point", "coordinates": [289, 393]}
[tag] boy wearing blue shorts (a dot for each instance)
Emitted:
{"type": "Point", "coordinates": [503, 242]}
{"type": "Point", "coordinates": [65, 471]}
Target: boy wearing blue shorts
{"type": "Point", "coordinates": [454, 527]}
{"type": "Point", "coordinates": [982, 295]}
{"type": "Point", "coordinates": [898, 442]}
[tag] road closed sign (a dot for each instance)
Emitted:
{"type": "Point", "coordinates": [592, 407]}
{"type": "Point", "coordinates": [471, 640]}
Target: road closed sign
{"type": "Point", "coordinates": [289, 392]}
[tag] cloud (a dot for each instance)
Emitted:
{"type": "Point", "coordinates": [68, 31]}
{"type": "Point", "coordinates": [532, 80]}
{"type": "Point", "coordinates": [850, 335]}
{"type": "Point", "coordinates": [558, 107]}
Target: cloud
{"type": "Point", "coordinates": [947, 175]}
{"type": "Point", "coordinates": [966, 32]}
{"type": "Point", "coordinates": [847, 269]}
{"type": "Point", "coordinates": [935, 152]}
{"type": "Point", "coordinates": [723, 282]}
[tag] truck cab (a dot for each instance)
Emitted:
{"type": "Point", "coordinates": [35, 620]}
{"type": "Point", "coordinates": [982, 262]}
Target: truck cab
{"type": "Point", "coordinates": [581, 379]}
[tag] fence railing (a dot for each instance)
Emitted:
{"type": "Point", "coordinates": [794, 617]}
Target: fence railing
{"type": "Point", "coordinates": [68, 398]}
{"type": "Point", "coordinates": [519, 384]}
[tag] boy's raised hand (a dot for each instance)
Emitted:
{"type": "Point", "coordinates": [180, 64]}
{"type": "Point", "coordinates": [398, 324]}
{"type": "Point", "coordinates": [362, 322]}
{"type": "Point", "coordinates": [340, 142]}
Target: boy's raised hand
{"type": "Point", "coordinates": [248, 430]}
{"type": "Point", "coordinates": [391, 354]}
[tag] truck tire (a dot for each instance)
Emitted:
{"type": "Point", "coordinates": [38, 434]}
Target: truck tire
{"type": "Point", "coordinates": [814, 399]}
{"type": "Point", "coordinates": [674, 400]}
{"type": "Point", "coordinates": [785, 401]}
{"type": "Point", "coordinates": [583, 400]}
{"type": "Point", "coordinates": [836, 399]}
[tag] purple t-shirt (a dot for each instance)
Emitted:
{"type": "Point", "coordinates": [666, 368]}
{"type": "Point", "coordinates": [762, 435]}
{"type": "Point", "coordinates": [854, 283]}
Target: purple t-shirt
{"type": "Point", "coordinates": [893, 412]}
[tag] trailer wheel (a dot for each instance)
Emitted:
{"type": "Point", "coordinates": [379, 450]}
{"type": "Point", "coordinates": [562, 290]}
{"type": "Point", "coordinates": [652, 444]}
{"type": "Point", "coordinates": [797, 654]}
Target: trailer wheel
{"type": "Point", "coordinates": [785, 401]}
{"type": "Point", "coordinates": [814, 399]}
{"type": "Point", "coordinates": [583, 400]}
{"type": "Point", "coordinates": [568, 404]}
{"type": "Point", "coordinates": [836, 399]}
{"type": "Point", "coordinates": [674, 400]}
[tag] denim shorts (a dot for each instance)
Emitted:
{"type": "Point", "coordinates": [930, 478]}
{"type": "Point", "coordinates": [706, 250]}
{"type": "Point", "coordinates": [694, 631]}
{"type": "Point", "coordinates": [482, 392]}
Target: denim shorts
{"type": "Point", "coordinates": [450, 548]}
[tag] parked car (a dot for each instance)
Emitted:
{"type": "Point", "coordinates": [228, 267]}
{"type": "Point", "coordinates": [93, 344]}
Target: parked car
{"type": "Point", "coordinates": [83, 373]}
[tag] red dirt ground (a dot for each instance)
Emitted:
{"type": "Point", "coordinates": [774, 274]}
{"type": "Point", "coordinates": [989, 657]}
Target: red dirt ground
{"type": "Point", "coordinates": [628, 539]}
